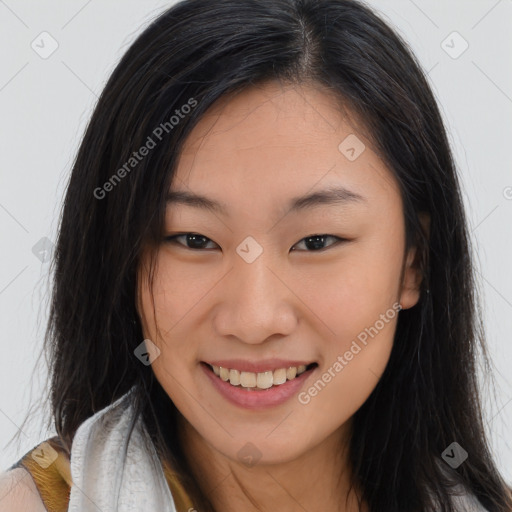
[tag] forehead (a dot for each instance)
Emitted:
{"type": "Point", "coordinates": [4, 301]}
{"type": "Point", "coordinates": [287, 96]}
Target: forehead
{"type": "Point", "coordinates": [274, 141]}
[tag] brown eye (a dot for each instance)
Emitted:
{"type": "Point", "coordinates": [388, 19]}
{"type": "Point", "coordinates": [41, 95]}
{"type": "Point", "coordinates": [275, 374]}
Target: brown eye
{"type": "Point", "coordinates": [316, 242]}
{"type": "Point", "coordinates": [198, 242]}
{"type": "Point", "coordinates": [192, 241]}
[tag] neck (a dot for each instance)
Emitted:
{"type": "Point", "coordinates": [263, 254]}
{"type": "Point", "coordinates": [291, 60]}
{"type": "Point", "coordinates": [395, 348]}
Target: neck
{"type": "Point", "coordinates": [318, 479]}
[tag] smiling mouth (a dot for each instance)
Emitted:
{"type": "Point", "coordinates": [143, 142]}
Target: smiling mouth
{"type": "Point", "coordinates": [262, 380]}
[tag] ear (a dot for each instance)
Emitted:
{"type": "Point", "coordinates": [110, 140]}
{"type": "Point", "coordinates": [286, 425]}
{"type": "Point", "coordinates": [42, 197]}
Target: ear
{"type": "Point", "coordinates": [412, 272]}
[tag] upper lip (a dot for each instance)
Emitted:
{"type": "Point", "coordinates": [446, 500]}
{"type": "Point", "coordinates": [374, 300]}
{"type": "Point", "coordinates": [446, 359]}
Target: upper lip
{"type": "Point", "coordinates": [258, 366]}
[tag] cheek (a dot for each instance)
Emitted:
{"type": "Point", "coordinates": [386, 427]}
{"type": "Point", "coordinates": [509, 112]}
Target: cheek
{"type": "Point", "coordinates": [355, 302]}
{"type": "Point", "coordinates": [178, 289]}
{"type": "Point", "coordinates": [353, 363]}
{"type": "Point", "coordinates": [161, 324]}
{"type": "Point", "coordinates": [174, 366]}
{"type": "Point", "coordinates": [350, 293]}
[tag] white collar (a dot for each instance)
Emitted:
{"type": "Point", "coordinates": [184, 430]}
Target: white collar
{"type": "Point", "coordinates": [115, 472]}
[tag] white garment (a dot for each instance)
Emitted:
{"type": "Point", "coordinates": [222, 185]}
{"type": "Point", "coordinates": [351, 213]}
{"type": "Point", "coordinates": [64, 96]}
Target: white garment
{"type": "Point", "coordinates": [103, 479]}
{"type": "Point", "coordinates": [468, 503]}
{"type": "Point", "coordinates": [463, 500]}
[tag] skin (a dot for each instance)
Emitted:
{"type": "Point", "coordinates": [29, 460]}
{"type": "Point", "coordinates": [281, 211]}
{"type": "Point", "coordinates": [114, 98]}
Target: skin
{"type": "Point", "coordinates": [254, 152]}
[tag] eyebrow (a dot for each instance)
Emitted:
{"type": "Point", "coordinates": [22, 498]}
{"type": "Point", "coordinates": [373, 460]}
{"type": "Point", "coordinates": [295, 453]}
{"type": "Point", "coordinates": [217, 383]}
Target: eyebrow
{"type": "Point", "coordinates": [330, 196]}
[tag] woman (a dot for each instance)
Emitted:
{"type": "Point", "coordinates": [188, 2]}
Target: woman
{"type": "Point", "coordinates": [264, 294]}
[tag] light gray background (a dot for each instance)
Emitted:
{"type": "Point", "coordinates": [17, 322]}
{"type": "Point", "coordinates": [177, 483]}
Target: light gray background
{"type": "Point", "coordinates": [45, 104]}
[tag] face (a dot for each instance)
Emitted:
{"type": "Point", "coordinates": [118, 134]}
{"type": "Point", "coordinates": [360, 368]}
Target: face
{"type": "Point", "coordinates": [268, 282]}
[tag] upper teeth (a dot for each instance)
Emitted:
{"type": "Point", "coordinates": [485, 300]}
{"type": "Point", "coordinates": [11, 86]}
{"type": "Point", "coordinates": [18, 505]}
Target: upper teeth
{"type": "Point", "coordinates": [262, 380]}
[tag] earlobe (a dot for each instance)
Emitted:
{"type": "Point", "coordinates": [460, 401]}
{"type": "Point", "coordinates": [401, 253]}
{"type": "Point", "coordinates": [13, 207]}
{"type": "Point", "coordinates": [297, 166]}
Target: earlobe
{"type": "Point", "coordinates": [413, 271]}
{"type": "Point", "coordinates": [410, 292]}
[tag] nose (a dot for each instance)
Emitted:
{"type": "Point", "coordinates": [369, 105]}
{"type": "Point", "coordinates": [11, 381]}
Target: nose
{"type": "Point", "coordinates": [255, 303]}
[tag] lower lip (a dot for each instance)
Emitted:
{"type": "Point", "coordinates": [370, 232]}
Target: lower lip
{"type": "Point", "coordinates": [259, 399]}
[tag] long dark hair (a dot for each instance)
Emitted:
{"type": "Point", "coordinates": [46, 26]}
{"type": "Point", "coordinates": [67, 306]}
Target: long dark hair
{"type": "Point", "coordinates": [191, 55]}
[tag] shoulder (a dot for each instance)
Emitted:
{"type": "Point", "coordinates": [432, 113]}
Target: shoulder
{"type": "Point", "coordinates": [18, 492]}
{"type": "Point", "coordinates": [39, 481]}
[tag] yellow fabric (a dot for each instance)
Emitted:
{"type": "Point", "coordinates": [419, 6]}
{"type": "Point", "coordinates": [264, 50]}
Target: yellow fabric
{"type": "Point", "coordinates": [49, 465]}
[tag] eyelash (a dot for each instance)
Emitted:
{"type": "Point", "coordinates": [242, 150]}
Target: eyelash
{"type": "Point", "coordinates": [172, 239]}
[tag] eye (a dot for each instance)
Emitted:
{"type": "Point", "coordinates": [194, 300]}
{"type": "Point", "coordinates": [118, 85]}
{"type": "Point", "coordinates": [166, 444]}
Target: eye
{"type": "Point", "coordinates": [197, 241]}
{"type": "Point", "coordinates": [316, 242]}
